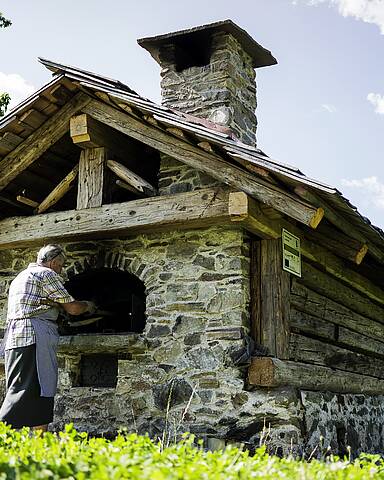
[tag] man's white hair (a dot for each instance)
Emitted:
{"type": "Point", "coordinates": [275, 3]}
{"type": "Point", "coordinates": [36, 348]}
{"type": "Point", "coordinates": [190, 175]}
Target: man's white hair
{"type": "Point", "coordinates": [49, 252]}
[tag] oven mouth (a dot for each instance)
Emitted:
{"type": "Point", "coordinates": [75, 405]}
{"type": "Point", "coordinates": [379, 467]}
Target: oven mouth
{"type": "Point", "coordinates": [119, 296]}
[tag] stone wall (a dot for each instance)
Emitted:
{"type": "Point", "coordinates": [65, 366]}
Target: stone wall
{"type": "Point", "coordinates": [187, 371]}
{"type": "Point", "coordinates": [177, 177]}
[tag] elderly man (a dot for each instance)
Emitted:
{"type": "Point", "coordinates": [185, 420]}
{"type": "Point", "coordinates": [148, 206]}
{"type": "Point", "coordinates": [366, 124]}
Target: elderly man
{"type": "Point", "coordinates": [30, 342]}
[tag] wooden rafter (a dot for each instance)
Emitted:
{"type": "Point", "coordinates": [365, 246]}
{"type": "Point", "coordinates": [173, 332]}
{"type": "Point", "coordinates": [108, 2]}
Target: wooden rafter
{"type": "Point", "coordinates": [210, 163]}
{"type": "Point", "coordinates": [135, 181]}
{"type": "Point", "coordinates": [39, 141]}
{"type": "Point", "coordinates": [59, 191]}
{"type": "Point", "coordinates": [340, 222]}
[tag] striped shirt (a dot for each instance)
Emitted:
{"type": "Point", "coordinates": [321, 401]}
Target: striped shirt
{"type": "Point", "coordinates": [28, 290]}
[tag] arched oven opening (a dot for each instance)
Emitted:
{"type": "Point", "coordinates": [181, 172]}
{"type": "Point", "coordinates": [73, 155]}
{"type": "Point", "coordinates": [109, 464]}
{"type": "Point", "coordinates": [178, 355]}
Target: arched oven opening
{"type": "Point", "coordinates": [119, 296]}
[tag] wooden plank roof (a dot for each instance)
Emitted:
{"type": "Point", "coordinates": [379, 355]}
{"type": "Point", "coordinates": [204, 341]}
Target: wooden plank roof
{"type": "Point", "coordinates": [67, 81]}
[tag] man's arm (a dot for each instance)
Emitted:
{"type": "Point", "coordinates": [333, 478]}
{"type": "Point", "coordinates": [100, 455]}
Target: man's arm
{"type": "Point", "coordinates": [78, 307]}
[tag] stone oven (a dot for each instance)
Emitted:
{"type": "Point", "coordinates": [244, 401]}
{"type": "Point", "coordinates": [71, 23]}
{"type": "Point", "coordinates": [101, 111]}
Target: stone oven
{"type": "Point", "coordinates": [173, 223]}
{"type": "Point", "coordinates": [119, 295]}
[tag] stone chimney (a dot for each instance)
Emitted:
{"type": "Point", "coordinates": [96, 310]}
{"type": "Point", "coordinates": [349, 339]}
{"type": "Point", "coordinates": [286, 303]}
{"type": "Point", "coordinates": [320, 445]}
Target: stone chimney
{"type": "Point", "coordinates": [208, 72]}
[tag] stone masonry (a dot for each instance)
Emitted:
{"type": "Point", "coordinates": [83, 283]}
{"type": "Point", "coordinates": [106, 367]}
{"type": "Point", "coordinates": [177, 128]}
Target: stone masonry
{"type": "Point", "coordinates": [223, 91]}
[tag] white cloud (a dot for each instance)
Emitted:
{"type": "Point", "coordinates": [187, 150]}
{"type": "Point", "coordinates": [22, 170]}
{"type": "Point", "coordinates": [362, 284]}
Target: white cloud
{"type": "Point", "coordinates": [370, 11]}
{"type": "Point", "coordinates": [377, 101]}
{"type": "Point", "coordinates": [329, 108]}
{"type": "Point", "coordinates": [16, 86]}
{"type": "Point", "coordinates": [372, 188]}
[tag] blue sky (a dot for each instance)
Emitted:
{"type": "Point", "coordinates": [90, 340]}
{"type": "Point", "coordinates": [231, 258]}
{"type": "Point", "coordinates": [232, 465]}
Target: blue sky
{"type": "Point", "coordinates": [321, 108]}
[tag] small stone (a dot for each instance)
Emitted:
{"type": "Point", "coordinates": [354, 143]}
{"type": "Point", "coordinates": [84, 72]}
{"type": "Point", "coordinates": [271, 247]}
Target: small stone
{"type": "Point", "coordinates": [206, 262]}
{"type": "Point", "coordinates": [158, 331]}
{"type": "Point", "coordinates": [192, 339]}
{"type": "Point", "coordinates": [172, 393]}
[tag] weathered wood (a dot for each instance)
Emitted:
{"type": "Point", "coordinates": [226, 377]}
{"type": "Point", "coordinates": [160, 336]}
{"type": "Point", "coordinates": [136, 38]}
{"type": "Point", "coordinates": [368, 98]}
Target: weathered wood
{"type": "Point", "coordinates": [207, 162]}
{"type": "Point", "coordinates": [360, 342]}
{"type": "Point", "coordinates": [59, 191]}
{"type": "Point", "coordinates": [86, 132]}
{"type": "Point", "coordinates": [244, 209]}
{"type": "Point", "coordinates": [340, 222]}
{"type": "Point", "coordinates": [342, 245]}
{"type": "Point", "coordinates": [33, 118]}
{"type": "Point", "coordinates": [91, 182]}
{"type": "Point", "coordinates": [316, 309]}
{"type": "Point", "coordinates": [304, 322]}
{"type": "Point", "coordinates": [177, 132]}
{"type": "Point", "coordinates": [339, 269]}
{"type": "Point", "coordinates": [273, 372]}
{"type": "Point", "coordinates": [275, 302]}
{"type": "Point", "coordinates": [200, 208]}
{"type": "Point", "coordinates": [8, 142]}
{"type": "Point", "coordinates": [39, 141]}
{"type": "Point", "coordinates": [124, 185]}
{"type": "Point", "coordinates": [131, 178]}
{"type": "Point", "coordinates": [27, 201]}
{"type": "Point", "coordinates": [147, 118]}
{"type": "Point", "coordinates": [336, 290]}
{"type": "Point", "coordinates": [310, 350]}
{"type": "Point", "coordinates": [206, 146]}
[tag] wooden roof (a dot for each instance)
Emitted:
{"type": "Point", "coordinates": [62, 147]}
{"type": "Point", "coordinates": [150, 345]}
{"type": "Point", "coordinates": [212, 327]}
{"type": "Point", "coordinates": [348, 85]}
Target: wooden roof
{"type": "Point", "coordinates": [59, 158]}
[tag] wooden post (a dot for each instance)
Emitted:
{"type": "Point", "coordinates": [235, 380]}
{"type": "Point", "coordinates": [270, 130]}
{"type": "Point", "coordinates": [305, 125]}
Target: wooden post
{"type": "Point", "coordinates": [274, 299]}
{"type": "Point", "coordinates": [92, 178]}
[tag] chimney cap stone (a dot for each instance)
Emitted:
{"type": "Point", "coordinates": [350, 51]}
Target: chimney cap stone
{"type": "Point", "coordinates": [261, 57]}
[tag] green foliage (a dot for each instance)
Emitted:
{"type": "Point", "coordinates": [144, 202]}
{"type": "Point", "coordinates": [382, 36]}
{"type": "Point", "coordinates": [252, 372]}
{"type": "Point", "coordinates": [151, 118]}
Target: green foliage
{"type": "Point", "coordinates": [4, 22]}
{"type": "Point", "coordinates": [73, 455]}
{"type": "Point", "coordinates": [4, 97]}
{"type": "Point", "coordinates": [4, 102]}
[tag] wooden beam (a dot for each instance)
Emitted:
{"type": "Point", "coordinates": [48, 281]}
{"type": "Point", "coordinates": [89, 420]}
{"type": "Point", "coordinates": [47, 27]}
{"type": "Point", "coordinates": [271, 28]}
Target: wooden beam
{"type": "Point", "coordinates": [243, 208]}
{"type": "Point", "coordinates": [27, 201]}
{"type": "Point", "coordinates": [131, 178]}
{"type": "Point", "coordinates": [342, 245]}
{"type": "Point", "coordinates": [275, 299]}
{"type": "Point", "coordinates": [124, 185]}
{"type": "Point", "coordinates": [246, 210]}
{"type": "Point", "coordinates": [92, 178]}
{"type": "Point", "coordinates": [207, 162]}
{"type": "Point", "coordinates": [86, 132]}
{"type": "Point", "coordinates": [340, 222]}
{"type": "Point", "coordinates": [39, 141]}
{"type": "Point", "coordinates": [201, 208]}
{"type": "Point", "coordinates": [206, 146]}
{"type": "Point", "coordinates": [363, 358]}
{"type": "Point", "coordinates": [59, 191]}
{"type": "Point", "coordinates": [272, 372]}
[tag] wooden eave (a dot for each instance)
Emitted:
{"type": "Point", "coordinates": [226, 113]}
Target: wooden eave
{"type": "Point", "coordinates": [242, 167]}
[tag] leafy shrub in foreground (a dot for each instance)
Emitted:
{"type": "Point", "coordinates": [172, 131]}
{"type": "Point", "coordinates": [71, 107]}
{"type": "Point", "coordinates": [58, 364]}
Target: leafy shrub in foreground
{"type": "Point", "coordinates": [73, 455]}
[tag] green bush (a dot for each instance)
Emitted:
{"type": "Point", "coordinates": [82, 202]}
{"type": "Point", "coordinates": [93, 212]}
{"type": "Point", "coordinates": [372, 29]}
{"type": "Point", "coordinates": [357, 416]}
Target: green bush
{"type": "Point", "coordinates": [73, 455]}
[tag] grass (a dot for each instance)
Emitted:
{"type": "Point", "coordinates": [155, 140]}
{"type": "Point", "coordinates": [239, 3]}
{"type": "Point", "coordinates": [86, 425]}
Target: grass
{"type": "Point", "coordinates": [72, 455]}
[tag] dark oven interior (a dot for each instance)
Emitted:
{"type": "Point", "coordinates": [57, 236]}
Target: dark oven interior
{"type": "Point", "coordinates": [119, 296]}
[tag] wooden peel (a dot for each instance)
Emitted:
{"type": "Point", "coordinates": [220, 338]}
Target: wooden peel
{"type": "Point", "coordinates": [87, 321]}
